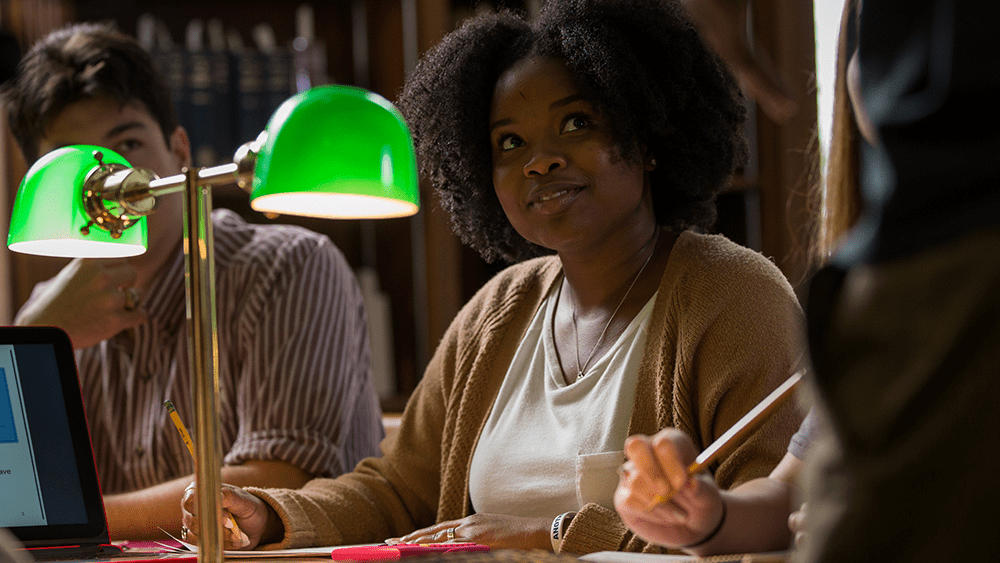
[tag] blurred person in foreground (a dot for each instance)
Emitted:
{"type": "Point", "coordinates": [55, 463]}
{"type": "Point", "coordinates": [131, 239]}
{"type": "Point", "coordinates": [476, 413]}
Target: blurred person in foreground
{"type": "Point", "coordinates": [904, 322]}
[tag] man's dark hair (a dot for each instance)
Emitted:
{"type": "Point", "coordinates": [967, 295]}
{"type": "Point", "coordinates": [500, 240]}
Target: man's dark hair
{"type": "Point", "coordinates": [640, 62]}
{"type": "Point", "coordinates": [82, 61]}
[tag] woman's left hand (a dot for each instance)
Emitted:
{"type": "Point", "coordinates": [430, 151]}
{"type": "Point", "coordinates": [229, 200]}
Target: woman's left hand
{"type": "Point", "coordinates": [495, 530]}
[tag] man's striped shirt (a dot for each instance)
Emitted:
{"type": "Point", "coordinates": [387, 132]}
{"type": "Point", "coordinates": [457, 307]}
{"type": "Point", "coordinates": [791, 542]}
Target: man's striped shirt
{"type": "Point", "coordinates": [294, 364]}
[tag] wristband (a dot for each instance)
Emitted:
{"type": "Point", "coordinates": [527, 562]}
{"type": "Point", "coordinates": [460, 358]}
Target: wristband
{"type": "Point", "coordinates": [558, 531]}
{"type": "Point", "coordinates": [714, 532]}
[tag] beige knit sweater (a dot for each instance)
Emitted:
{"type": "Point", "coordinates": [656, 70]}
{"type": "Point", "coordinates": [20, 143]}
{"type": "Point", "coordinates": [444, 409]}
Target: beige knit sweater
{"type": "Point", "coordinates": [725, 331]}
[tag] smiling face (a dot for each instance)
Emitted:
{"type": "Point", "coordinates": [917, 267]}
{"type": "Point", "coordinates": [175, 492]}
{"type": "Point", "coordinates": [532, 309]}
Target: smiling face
{"type": "Point", "coordinates": [556, 169]}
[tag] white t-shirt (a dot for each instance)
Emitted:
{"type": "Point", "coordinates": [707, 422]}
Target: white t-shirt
{"type": "Point", "coordinates": [549, 447]}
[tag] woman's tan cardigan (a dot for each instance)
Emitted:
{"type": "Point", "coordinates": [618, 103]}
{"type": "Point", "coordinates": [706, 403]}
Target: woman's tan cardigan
{"type": "Point", "coordinates": [724, 332]}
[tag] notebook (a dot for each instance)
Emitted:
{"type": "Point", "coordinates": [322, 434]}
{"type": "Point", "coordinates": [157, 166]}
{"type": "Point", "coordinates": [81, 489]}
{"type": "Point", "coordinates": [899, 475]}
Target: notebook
{"type": "Point", "coordinates": [50, 498]}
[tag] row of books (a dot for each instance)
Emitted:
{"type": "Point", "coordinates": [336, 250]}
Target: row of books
{"type": "Point", "coordinates": [225, 91]}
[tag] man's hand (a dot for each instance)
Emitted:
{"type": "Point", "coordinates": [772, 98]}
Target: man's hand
{"type": "Point", "coordinates": [258, 522]}
{"type": "Point", "coordinates": [657, 467]}
{"type": "Point", "coordinates": [89, 299]}
{"type": "Point", "coordinates": [723, 26]}
{"type": "Point", "coordinates": [495, 530]}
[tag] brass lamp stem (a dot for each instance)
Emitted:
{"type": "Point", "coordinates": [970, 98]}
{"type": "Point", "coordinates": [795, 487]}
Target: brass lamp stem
{"type": "Point", "coordinates": [115, 197]}
{"type": "Point", "coordinates": [203, 347]}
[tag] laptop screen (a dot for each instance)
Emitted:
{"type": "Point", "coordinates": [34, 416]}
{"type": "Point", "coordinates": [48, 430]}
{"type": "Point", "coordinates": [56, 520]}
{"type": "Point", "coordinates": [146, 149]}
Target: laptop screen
{"type": "Point", "coordinates": [49, 493]}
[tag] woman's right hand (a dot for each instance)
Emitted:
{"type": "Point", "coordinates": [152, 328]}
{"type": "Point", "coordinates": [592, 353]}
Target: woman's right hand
{"type": "Point", "coordinates": [258, 521]}
{"type": "Point", "coordinates": [657, 466]}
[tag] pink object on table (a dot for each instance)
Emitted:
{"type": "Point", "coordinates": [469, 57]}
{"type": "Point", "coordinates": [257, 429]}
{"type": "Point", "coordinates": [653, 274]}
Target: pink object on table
{"type": "Point", "coordinates": [399, 551]}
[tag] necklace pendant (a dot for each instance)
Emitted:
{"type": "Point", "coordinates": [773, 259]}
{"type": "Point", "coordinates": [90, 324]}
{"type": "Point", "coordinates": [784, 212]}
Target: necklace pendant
{"type": "Point", "coordinates": [580, 374]}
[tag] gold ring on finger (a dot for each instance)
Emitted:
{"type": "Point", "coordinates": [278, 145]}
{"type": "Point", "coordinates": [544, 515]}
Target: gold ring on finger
{"type": "Point", "coordinates": [131, 298]}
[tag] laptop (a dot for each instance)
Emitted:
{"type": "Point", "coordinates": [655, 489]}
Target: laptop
{"type": "Point", "coordinates": [50, 498]}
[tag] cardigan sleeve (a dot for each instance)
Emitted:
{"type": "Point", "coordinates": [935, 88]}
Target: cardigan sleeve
{"type": "Point", "coordinates": [743, 343]}
{"type": "Point", "coordinates": [383, 497]}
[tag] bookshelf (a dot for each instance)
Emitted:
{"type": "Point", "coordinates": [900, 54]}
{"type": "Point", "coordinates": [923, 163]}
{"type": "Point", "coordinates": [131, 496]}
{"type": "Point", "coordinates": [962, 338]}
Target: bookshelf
{"type": "Point", "coordinates": [423, 270]}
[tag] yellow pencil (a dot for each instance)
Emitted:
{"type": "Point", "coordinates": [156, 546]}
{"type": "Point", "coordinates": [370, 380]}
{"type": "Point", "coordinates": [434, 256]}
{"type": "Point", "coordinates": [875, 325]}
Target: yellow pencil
{"type": "Point", "coordinates": [735, 435]}
{"type": "Point", "coordinates": [176, 418]}
{"type": "Point", "coordinates": [180, 426]}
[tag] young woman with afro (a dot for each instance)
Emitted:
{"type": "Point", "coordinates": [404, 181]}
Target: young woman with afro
{"type": "Point", "coordinates": [586, 147]}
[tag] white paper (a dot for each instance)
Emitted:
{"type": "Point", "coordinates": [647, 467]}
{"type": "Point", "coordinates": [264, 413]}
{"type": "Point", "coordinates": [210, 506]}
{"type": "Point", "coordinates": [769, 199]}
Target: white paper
{"type": "Point", "coordinates": [297, 552]}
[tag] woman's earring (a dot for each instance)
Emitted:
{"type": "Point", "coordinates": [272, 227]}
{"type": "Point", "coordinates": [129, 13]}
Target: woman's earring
{"type": "Point", "coordinates": [652, 162]}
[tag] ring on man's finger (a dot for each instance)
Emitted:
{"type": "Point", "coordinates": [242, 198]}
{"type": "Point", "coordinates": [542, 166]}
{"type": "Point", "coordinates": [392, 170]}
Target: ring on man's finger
{"type": "Point", "coordinates": [451, 534]}
{"type": "Point", "coordinates": [131, 298]}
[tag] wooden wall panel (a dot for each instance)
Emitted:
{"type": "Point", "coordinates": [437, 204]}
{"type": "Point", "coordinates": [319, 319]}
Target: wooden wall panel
{"type": "Point", "coordinates": [785, 29]}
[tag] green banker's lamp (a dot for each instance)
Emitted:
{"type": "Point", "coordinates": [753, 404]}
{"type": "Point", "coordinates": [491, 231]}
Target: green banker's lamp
{"type": "Point", "coordinates": [332, 151]}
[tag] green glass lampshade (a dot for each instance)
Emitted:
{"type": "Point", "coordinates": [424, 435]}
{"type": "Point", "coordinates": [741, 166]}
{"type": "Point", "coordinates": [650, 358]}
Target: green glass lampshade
{"type": "Point", "coordinates": [336, 152]}
{"type": "Point", "coordinates": [49, 209]}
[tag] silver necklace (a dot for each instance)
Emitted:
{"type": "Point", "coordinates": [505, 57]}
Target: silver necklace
{"type": "Point", "coordinates": [581, 369]}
